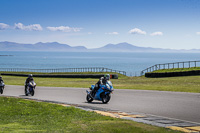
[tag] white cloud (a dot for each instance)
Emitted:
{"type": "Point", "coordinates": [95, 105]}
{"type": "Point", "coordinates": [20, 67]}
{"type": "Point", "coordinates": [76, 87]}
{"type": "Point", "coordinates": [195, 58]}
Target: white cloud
{"type": "Point", "coordinates": [64, 29]}
{"type": "Point", "coordinates": [35, 27]}
{"type": "Point", "coordinates": [198, 33]}
{"type": "Point", "coordinates": [158, 33]}
{"type": "Point", "coordinates": [112, 33]}
{"type": "Point", "coordinates": [3, 26]}
{"type": "Point", "coordinates": [137, 31]}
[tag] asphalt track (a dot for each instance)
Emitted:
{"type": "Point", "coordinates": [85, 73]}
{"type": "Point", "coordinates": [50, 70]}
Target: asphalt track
{"type": "Point", "coordinates": [177, 105]}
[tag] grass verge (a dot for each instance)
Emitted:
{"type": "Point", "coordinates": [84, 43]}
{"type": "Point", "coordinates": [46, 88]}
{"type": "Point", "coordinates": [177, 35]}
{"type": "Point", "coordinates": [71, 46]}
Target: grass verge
{"type": "Point", "coordinates": [18, 115]}
{"type": "Point", "coordinates": [177, 70]}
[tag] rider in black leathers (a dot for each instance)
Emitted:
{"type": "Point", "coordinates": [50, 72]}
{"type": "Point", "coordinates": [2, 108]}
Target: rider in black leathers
{"type": "Point", "coordinates": [1, 80]}
{"type": "Point", "coordinates": [30, 78]}
{"type": "Point", "coordinates": [102, 81]}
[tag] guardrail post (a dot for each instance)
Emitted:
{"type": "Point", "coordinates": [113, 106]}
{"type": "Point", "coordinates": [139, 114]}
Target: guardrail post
{"type": "Point", "coordinates": [141, 73]}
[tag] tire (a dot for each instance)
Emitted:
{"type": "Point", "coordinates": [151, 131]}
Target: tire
{"type": "Point", "coordinates": [105, 98]}
{"type": "Point", "coordinates": [89, 98]}
{"type": "Point", "coordinates": [32, 92]}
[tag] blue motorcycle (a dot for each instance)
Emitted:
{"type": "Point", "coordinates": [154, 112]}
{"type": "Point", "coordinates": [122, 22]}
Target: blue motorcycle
{"type": "Point", "coordinates": [102, 94]}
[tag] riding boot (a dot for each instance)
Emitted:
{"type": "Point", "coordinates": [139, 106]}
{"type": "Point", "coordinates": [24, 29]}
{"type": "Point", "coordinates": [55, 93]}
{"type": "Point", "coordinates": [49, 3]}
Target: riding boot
{"type": "Point", "coordinates": [92, 93]}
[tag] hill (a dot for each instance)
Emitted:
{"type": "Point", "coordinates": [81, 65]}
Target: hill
{"type": "Point", "coordinates": [49, 46]}
{"type": "Point", "coordinates": [126, 47]}
{"type": "Point", "coordinates": [55, 46]}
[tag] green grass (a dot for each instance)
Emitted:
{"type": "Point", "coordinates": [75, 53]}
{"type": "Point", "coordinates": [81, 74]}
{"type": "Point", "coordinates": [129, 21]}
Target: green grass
{"type": "Point", "coordinates": [18, 115]}
{"type": "Point", "coordinates": [177, 70]}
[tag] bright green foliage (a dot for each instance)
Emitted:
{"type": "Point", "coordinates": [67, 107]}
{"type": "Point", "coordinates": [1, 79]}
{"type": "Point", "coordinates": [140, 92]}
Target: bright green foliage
{"type": "Point", "coordinates": [18, 115]}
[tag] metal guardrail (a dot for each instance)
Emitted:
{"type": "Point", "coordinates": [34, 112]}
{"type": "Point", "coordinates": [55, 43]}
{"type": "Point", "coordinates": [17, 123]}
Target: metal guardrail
{"type": "Point", "coordinates": [186, 64]}
{"type": "Point", "coordinates": [89, 69]}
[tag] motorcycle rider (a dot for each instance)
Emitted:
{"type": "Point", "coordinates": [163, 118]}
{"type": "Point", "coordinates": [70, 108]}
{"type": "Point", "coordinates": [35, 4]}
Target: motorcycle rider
{"type": "Point", "coordinates": [1, 80]}
{"type": "Point", "coordinates": [102, 81]}
{"type": "Point", "coordinates": [30, 78]}
{"type": "Point", "coordinates": [2, 85]}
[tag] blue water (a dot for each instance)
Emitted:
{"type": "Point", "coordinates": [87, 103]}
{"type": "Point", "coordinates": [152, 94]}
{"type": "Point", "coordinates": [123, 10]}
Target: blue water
{"type": "Point", "coordinates": [132, 63]}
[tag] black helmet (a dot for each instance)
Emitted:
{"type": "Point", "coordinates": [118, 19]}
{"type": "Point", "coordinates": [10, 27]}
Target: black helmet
{"type": "Point", "coordinates": [30, 75]}
{"type": "Point", "coordinates": [107, 76]}
{"type": "Point", "coordinates": [0, 77]}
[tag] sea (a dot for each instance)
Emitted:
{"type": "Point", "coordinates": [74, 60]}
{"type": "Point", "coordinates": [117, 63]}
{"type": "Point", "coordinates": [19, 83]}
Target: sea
{"type": "Point", "coordinates": [132, 63]}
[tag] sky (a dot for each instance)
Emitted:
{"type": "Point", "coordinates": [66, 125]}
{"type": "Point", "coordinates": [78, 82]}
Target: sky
{"type": "Point", "coordinates": [173, 24]}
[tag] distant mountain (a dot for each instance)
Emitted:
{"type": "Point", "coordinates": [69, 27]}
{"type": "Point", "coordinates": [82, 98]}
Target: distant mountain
{"type": "Point", "coordinates": [122, 47]}
{"type": "Point", "coordinates": [126, 47]}
{"type": "Point", "coordinates": [49, 46]}
{"type": "Point", "coordinates": [55, 46]}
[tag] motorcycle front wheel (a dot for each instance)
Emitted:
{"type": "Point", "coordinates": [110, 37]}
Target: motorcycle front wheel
{"type": "Point", "coordinates": [89, 98]}
{"type": "Point", "coordinates": [32, 93]}
{"type": "Point", "coordinates": [106, 98]}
